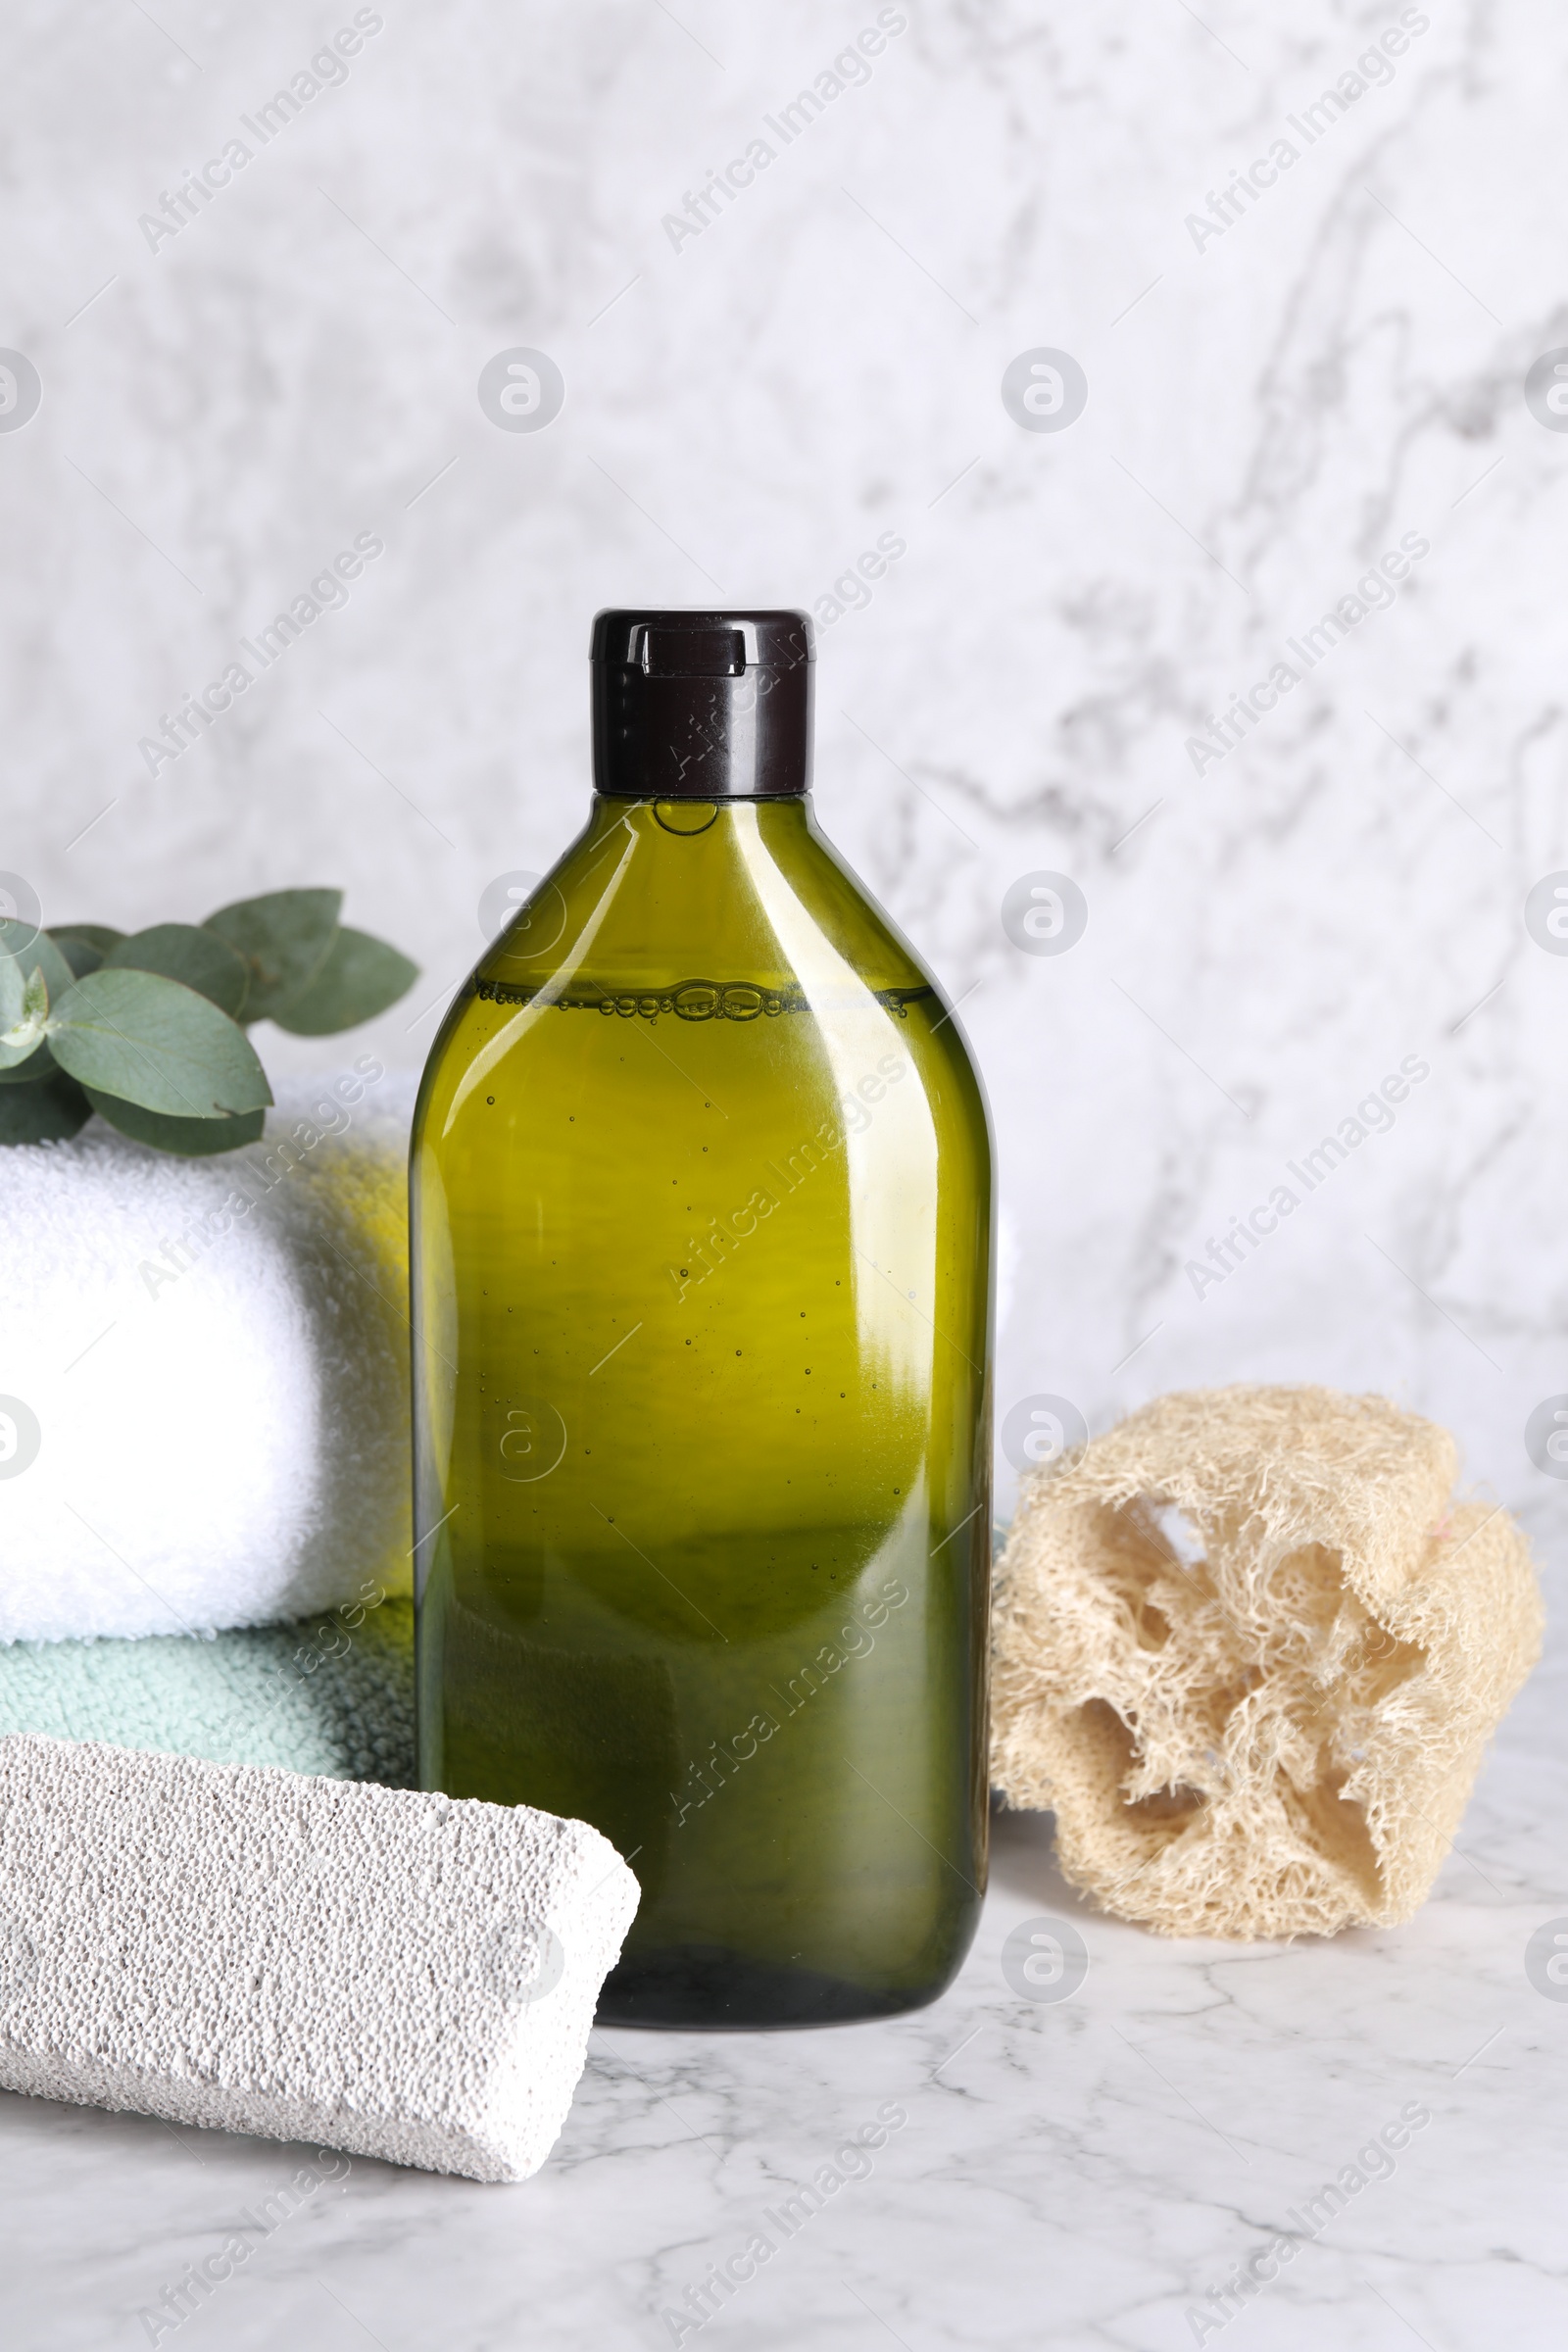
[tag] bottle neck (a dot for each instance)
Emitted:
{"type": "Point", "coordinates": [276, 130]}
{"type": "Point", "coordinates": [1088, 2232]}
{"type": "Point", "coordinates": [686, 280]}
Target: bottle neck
{"type": "Point", "coordinates": [777, 817]}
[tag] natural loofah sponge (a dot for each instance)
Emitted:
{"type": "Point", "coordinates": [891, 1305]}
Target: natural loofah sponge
{"type": "Point", "coordinates": [1250, 1652]}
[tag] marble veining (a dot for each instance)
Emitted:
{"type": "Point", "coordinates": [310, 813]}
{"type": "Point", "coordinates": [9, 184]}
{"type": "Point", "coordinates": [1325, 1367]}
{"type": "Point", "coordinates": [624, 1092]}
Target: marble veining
{"type": "Point", "coordinates": [1083, 2173]}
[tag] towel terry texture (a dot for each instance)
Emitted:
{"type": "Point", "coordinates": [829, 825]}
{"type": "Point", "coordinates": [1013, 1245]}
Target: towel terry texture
{"type": "Point", "coordinates": [211, 1359]}
{"type": "Point", "coordinates": [331, 1696]}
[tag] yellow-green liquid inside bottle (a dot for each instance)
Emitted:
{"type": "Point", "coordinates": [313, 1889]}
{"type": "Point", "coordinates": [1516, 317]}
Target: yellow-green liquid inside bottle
{"type": "Point", "coordinates": [702, 1192]}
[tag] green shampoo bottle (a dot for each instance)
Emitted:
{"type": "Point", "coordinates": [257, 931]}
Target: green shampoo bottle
{"type": "Point", "coordinates": [701, 1212]}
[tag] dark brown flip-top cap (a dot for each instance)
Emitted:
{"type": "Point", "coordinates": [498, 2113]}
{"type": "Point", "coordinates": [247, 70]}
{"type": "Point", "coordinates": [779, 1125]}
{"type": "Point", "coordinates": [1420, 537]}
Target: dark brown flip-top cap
{"type": "Point", "coordinates": [702, 705]}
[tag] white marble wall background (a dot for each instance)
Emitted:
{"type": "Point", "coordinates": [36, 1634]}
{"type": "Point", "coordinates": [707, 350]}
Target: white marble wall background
{"type": "Point", "coordinates": [743, 417]}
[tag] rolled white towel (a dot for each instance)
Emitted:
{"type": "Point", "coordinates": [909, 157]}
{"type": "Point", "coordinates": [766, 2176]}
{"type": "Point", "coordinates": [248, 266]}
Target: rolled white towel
{"type": "Point", "coordinates": [203, 1372]}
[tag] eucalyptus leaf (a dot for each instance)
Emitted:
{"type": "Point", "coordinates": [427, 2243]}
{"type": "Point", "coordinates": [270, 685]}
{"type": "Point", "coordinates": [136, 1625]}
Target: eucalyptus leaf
{"type": "Point", "coordinates": [186, 952]}
{"type": "Point", "coordinates": [40, 1063]}
{"type": "Point", "coordinates": [102, 935]}
{"type": "Point", "coordinates": [30, 949]}
{"type": "Point", "coordinates": [79, 954]}
{"type": "Point", "coordinates": [23, 1008]}
{"type": "Point", "coordinates": [147, 1029]}
{"type": "Point", "coordinates": [42, 1115]}
{"type": "Point", "coordinates": [285, 937]}
{"type": "Point", "coordinates": [361, 977]}
{"type": "Point", "coordinates": [191, 1139]}
{"type": "Point", "coordinates": [150, 1040]}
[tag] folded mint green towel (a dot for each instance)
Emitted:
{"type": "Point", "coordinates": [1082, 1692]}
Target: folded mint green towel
{"type": "Point", "coordinates": [320, 1696]}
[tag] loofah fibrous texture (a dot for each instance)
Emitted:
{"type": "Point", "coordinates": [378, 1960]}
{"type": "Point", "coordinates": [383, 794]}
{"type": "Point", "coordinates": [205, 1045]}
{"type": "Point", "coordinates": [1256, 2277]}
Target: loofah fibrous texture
{"type": "Point", "coordinates": [1250, 1649]}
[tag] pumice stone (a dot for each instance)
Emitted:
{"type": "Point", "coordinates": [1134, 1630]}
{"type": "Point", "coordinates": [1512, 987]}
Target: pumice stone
{"type": "Point", "coordinates": [402, 1974]}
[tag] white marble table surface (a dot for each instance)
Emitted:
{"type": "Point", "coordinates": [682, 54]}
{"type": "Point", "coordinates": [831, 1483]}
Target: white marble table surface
{"type": "Point", "coordinates": [1078, 2172]}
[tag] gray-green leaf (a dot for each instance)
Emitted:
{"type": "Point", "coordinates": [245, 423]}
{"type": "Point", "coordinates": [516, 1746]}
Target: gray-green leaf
{"type": "Point", "coordinates": [186, 952]}
{"type": "Point", "coordinates": [361, 977]}
{"type": "Point", "coordinates": [152, 1041]}
{"type": "Point", "coordinates": [191, 1139]}
{"type": "Point", "coordinates": [40, 1063]}
{"type": "Point", "coordinates": [42, 1115]}
{"type": "Point", "coordinates": [285, 937]}
{"type": "Point", "coordinates": [102, 935]}
{"type": "Point", "coordinates": [23, 1008]}
{"type": "Point", "coordinates": [13, 992]}
{"type": "Point", "coordinates": [31, 948]}
{"type": "Point", "coordinates": [82, 955]}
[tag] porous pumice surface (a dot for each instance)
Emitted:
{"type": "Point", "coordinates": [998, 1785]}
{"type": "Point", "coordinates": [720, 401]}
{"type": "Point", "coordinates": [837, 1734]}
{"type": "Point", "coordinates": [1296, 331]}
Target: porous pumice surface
{"type": "Point", "coordinates": [1250, 1648]}
{"type": "Point", "coordinates": [400, 1973]}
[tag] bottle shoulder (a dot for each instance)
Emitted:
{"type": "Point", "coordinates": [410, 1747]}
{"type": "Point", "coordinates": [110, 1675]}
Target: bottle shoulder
{"type": "Point", "coordinates": [752, 924]}
{"type": "Point", "coordinates": [755, 898]}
